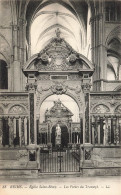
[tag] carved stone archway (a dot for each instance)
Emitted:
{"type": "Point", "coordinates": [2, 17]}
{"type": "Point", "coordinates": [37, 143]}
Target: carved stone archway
{"type": "Point", "coordinates": [58, 69]}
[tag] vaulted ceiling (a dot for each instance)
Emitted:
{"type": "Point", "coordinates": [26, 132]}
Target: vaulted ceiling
{"type": "Point", "coordinates": [47, 16]}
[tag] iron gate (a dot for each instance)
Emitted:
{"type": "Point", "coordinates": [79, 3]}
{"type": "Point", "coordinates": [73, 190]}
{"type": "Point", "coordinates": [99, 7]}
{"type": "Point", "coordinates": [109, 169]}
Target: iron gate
{"type": "Point", "coordinates": [60, 159]}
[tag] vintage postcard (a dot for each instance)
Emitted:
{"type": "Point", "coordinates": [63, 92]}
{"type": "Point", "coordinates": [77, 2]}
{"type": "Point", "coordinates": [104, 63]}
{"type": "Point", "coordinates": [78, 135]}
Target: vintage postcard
{"type": "Point", "coordinates": [60, 97]}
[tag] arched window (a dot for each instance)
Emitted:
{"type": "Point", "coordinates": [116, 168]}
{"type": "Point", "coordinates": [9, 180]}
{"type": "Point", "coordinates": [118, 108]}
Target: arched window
{"type": "Point", "coordinates": [3, 75]}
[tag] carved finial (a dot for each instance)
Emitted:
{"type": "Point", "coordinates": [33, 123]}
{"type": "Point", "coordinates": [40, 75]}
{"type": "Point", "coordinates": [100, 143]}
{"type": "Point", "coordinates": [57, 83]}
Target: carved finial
{"type": "Point", "coordinates": [58, 32]}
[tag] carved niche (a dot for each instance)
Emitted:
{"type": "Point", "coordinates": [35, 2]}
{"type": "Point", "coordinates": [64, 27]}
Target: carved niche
{"type": "Point", "coordinates": [100, 109]}
{"type": "Point", "coordinates": [58, 55]}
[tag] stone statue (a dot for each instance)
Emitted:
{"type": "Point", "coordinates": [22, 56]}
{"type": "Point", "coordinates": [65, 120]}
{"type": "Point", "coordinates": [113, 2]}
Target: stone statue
{"type": "Point", "coordinates": [58, 131]}
{"type": "Point", "coordinates": [58, 134]}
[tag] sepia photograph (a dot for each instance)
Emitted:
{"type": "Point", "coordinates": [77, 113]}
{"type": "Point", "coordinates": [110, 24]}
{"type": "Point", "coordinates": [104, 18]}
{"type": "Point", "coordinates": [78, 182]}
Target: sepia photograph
{"type": "Point", "coordinates": [60, 97]}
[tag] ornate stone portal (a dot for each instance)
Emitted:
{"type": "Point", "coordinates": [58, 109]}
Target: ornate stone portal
{"type": "Point", "coordinates": [58, 69]}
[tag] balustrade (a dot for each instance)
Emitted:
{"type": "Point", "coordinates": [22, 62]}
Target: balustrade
{"type": "Point", "coordinates": [106, 130]}
{"type": "Point", "coordinates": [13, 131]}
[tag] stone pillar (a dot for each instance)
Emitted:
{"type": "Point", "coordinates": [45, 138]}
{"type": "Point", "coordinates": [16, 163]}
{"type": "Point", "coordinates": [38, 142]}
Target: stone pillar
{"type": "Point", "coordinates": [14, 121]}
{"type": "Point", "coordinates": [49, 134]}
{"type": "Point", "coordinates": [16, 62]}
{"type": "Point", "coordinates": [86, 116]}
{"type": "Point", "coordinates": [87, 146]}
{"type": "Point", "coordinates": [98, 129]}
{"type": "Point", "coordinates": [32, 116]}
{"type": "Point", "coordinates": [20, 131]}
{"type": "Point", "coordinates": [81, 128]}
{"type": "Point", "coordinates": [99, 53]}
{"type": "Point", "coordinates": [37, 127]}
{"type": "Point", "coordinates": [32, 146]}
{"type": "Point", "coordinates": [93, 130]}
{"type": "Point", "coordinates": [117, 131]}
{"type": "Point", "coordinates": [106, 131]}
{"type": "Point", "coordinates": [25, 130]}
{"type": "Point", "coordinates": [1, 131]}
{"type": "Point", "coordinates": [11, 131]}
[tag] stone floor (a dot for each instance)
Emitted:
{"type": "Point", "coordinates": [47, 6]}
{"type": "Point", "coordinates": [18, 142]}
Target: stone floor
{"type": "Point", "coordinates": [60, 184]}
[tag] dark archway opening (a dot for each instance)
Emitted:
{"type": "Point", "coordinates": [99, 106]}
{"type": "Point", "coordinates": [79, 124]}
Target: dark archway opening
{"type": "Point", "coordinates": [3, 75]}
{"type": "Point", "coordinates": [64, 136]}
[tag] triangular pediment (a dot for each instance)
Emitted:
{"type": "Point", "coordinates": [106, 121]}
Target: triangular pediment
{"type": "Point", "coordinates": [58, 55]}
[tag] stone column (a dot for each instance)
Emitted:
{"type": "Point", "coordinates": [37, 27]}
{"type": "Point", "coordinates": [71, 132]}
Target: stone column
{"type": "Point", "coordinates": [32, 117]}
{"type": "Point", "coordinates": [49, 133]}
{"type": "Point", "coordinates": [1, 131]}
{"type": "Point", "coordinates": [16, 62]}
{"type": "Point", "coordinates": [93, 127]}
{"type": "Point", "coordinates": [112, 129]}
{"type": "Point", "coordinates": [11, 131]}
{"type": "Point", "coordinates": [87, 146]}
{"type": "Point", "coordinates": [106, 131]}
{"type": "Point", "coordinates": [86, 116]}
{"type": "Point", "coordinates": [25, 130]}
{"type": "Point", "coordinates": [99, 53]}
{"type": "Point", "coordinates": [98, 129]}
{"type": "Point", "coordinates": [109, 130]}
{"type": "Point", "coordinates": [81, 128]}
{"type": "Point", "coordinates": [32, 147]}
{"type": "Point", "coordinates": [20, 131]}
{"type": "Point", "coordinates": [14, 121]}
{"type": "Point", "coordinates": [117, 131]}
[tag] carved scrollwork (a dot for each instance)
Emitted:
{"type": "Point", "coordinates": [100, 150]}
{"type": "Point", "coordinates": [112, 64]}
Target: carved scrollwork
{"type": "Point", "coordinates": [58, 55]}
{"type": "Point", "coordinates": [59, 89]}
{"type": "Point", "coordinates": [1, 111]}
{"type": "Point", "coordinates": [77, 89]}
{"type": "Point", "coordinates": [45, 58]}
{"type": "Point", "coordinates": [72, 58]}
{"type": "Point", "coordinates": [31, 86]}
{"type": "Point", "coordinates": [86, 87]}
{"type": "Point", "coordinates": [21, 154]}
{"type": "Point", "coordinates": [87, 154]}
{"type": "Point", "coordinates": [5, 104]}
{"type": "Point", "coordinates": [118, 109]}
{"type": "Point", "coordinates": [41, 89]}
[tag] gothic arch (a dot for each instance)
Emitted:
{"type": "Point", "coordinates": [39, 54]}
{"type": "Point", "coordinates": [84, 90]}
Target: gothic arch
{"type": "Point", "coordinates": [115, 33]}
{"type": "Point", "coordinates": [5, 48]}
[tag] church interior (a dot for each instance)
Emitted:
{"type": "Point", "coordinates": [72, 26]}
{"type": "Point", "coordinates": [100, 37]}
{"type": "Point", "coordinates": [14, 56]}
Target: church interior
{"type": "Point", "coordinates": [60, 87]}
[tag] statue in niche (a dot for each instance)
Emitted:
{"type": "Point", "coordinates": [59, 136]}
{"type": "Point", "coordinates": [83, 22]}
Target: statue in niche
{"type": "Point", "coordinates": [58, 135]}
